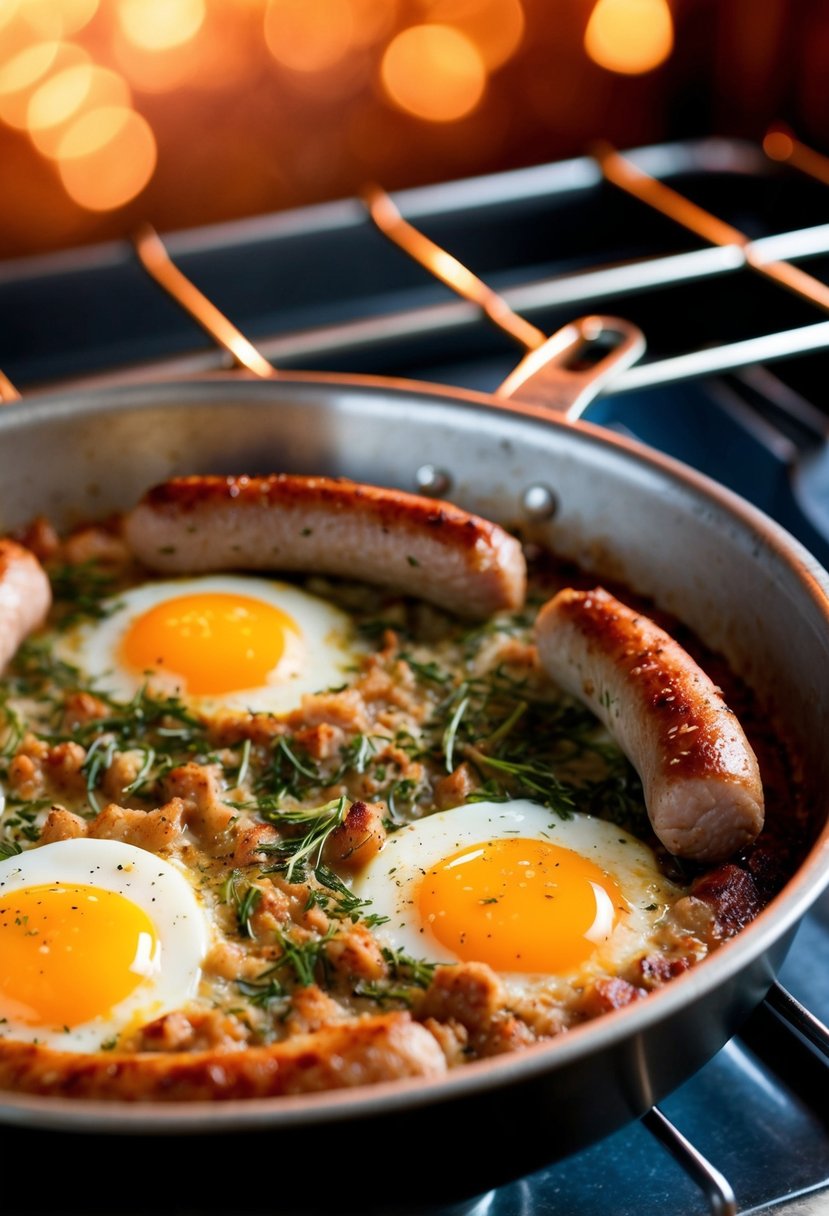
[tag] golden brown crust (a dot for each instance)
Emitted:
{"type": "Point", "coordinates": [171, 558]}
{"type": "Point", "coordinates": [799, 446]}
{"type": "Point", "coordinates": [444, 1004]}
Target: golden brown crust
{"type": "Point", "coordinates": [672, 689]}
{"type": "Point", "coordinates": [413, 544]}
{"type": "Point", "coordinates": [699, 773]}
{"type": "Point", "coordinates": [387, 1047]}
{"type": "Point", "coordinates": [389, 508]}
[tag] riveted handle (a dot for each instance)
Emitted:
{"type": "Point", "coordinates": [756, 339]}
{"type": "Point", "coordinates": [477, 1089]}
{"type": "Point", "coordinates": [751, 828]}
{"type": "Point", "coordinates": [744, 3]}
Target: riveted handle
{"type": "Point", "coordinates": [569, 369]}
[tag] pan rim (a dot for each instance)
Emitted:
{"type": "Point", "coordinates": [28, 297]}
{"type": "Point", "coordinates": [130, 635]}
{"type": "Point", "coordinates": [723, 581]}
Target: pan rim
{"type": "Point", "coordinates": [780, 917]}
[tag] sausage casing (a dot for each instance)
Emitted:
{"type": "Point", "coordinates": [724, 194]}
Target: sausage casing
{"type": "Point", "coordinates": [25, 596]}
{"type": "Point", "coordinates": [415, 545]}
{"type": "Point", "coordinates": [699, 774]}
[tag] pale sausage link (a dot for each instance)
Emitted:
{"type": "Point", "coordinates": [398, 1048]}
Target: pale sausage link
{"type": "Point", "coordinates": [699, 773]}
{"type": "Point", "coordinates": [25, 597]}
{"type": "Point", "coordinates": [415, 545]}
{"type": "Point", "coordinates": [385, 1047]}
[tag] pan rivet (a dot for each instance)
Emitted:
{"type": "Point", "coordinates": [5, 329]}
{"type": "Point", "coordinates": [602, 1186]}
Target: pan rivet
{"type": "Point", "coordinates": [431, 480]}
{"type": "Point", "coordinates": [539, 502]}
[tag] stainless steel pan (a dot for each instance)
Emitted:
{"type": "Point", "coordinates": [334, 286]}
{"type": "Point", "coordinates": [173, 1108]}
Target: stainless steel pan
{"type": "Point", "coordinates": [745, 586]}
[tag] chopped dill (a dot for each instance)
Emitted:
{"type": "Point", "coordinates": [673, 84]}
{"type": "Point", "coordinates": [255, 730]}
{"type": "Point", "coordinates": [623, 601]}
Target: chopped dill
{"type": "Point", "coordinates": [406, 975]}
{"type": "Point", "coordinates": [293, 853]}
{"type": "Point", "coordinates": [307, 961]}
{"type": "Point", "coordinates": [82, 591]}
{"type": "Point", "coordinates": [338, 900]}
{"type": "Point", "coordinates": [265, 991]}
{"type": "Point", "coordinates": [243, 897]}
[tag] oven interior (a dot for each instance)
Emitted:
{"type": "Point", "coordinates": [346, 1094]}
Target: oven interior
{"type": "Point", "coordinates": [321, 289]}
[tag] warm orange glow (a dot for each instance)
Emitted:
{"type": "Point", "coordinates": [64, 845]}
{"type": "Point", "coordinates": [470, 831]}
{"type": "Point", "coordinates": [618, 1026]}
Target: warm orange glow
{"type": "Point", "coordinates": [309, 37]}
{"type": "Point", "coordinates": [371, 21]}
{"type": "Point", "coordinates": [27, 67]}
{"type": "Point", "coordinates": [629, 36]}
{"type": "Point", "coordinates": [40, 18]}
{"type": "Point", "coordinates": [495, 26]}
{"type": "Point", "coordinates": [106, 158]}
{"type": "Point", "coordinates": [56, 18]}
{"type": "Point", "coordinates": [163, 70]}
{"type": "Point", "coordinates": [434, 72]}
{"type": "Point", "coordinates": [92, 132]}
{"type": "Point", "coordinates": [65, 94]}
{"type": "Point", "coordinates": [23, 73]}
{"type": "Point", "coordinates": [157, 25]}
{"type": "Point", "coordinates": [778, 145]}
{"type": "Point", "coordinates": [8, 11]}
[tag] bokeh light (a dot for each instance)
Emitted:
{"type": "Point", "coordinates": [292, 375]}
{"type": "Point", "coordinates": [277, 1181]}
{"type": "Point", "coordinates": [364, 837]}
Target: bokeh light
{"type": "Point", "coordinates": [64, 94]}
{"type": "Point", "coordinates": [630, 36]}
{"type": "Point", "coordinates": [55, 18]}
{"type": "Point", "coordinates": [309, 37]}
{"type": "Point", "coordinates": [159, 71]}
{"type": "Point", "coordinates": [106, 157]}
{"type": "Point", "coordinates": [372, 21]}
{"type": "Point", "coordinates": [261, 105]}
{"type": "Point", "coordinates": [495, 26]}
{"type": "Point", "coordinates": [778, 144]}
{"type": "Point", "coordinates": [158, 25]}
{"type": "Point", "coordinates": [24, 72]}
{"type": "Point", "coordinates": [434, 72]}
{"type": "Point", "coordinates": [8, 12]}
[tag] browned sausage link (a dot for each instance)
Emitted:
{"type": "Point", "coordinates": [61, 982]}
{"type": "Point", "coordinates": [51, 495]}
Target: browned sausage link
{"type": "Point", "coordinates": [416, 545]}
{"type": "Point", "coordinates": [25, 597]}
{"type": "Point", "coordinates": [699, 774]}
{"type": "Point", "coordinates": [386, 1047]}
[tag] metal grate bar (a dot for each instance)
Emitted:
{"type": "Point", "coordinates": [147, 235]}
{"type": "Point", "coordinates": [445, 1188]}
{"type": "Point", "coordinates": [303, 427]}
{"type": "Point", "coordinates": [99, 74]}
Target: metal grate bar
{"type": "Point", "coordinates": [644, 274]}
{"type": "Point", "coordinates": [795, 1017]}
{"type": "Point", "coordinates": [783, 345]}
{"type": "Point", "coordinates": [153, 256]}
{"type": "Point", "coordinates": [587, 288]}
{"type": "Point", "coordinates": [623, 173]}
{"type": "Point", "coordinates": [716, 1188]}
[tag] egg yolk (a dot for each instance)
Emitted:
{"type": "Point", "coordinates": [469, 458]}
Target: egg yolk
{"type": "Point", "coordinates": [520, 905]}
{"type": "Point", "coordinates": [71, 952]}
{"type": "Point", "coordinates": [215, 641]}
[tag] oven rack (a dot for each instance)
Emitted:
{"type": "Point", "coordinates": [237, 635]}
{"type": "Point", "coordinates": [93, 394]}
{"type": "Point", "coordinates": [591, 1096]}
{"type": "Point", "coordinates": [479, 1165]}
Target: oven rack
{"type": "Point", "coordinates": [696, 397]}
{"type": "Point", "coordinates": [368, 313]}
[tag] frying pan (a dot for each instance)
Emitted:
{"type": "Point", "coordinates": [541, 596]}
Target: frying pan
{"type": "Point", "coordinates": [623, 511]}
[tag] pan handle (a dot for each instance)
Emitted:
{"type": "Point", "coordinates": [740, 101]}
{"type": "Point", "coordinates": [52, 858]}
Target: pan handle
{"type": "Point", "coordinates": [569, 369]}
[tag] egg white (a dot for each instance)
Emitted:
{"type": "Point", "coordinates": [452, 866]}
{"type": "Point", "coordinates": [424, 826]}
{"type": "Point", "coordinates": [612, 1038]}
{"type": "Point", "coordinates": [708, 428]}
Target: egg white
{"type": "Point", "coordinates": [317, 657]}
{"type": "Point", "coordinates": [155, 885]}
{"type": "Point", "coordinates": [390, 880]}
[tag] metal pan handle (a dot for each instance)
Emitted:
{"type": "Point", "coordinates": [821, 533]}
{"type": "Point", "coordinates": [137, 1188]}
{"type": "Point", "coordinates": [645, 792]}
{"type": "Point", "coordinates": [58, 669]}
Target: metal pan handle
{"type": "Point", "coordinates": [567, 372]}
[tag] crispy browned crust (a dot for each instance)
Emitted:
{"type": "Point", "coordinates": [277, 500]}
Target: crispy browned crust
{"type": "Point", "coordinates": [414, 544]}
{"type": "Point", "coordinates": [731, 894]}
{"type": "Point", "coordinates": [386, 1047]}
{"type": "Point", "coordinates": [700, 775]}
{"type": "Point", "coordinates": [669, 686]}
{"type": "Point", "coordinates": [387, 507]}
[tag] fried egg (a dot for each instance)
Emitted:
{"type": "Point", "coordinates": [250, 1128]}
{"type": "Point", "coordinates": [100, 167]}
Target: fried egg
{"type": "Point", "coordinates": [513, 885]}
{"type": "Point", "coordinates": [221, 641]}
{"type": "Point", "coordinates": [97, 937]}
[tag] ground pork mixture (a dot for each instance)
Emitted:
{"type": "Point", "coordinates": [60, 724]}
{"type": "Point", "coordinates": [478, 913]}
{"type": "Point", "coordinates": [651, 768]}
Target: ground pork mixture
{"type": "Point", "coordinates": [274, 817]}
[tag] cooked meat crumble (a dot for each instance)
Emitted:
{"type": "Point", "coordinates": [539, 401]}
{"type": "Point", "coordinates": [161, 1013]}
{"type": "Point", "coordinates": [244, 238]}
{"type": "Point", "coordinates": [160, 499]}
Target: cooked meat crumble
{"type": "Point", "coordinates": [274, 816]}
